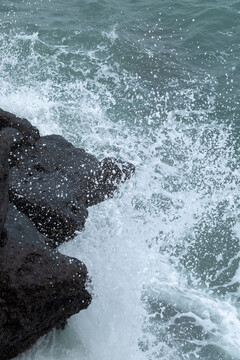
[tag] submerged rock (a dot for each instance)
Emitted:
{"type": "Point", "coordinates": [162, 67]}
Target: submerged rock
{"type": "Point", "coordinates": [46, 185]}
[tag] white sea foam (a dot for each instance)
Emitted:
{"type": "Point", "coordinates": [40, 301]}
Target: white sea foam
{"type": "Point", "coordinates": [112, 34]}
{"type": "Point", "coordinates": [138, 245]}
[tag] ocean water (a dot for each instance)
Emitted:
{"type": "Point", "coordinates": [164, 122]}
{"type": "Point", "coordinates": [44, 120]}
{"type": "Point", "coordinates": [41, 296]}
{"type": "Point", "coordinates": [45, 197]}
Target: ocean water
{"type": "Point", "coordinates": [155, 83]}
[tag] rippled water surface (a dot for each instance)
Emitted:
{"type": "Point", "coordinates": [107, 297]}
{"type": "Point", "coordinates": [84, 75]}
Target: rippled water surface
{"type": "Point", "coordinates": [154, 83]}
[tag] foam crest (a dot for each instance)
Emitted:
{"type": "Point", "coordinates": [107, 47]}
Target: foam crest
{"type": "Point", "coordinates": [163, 254]}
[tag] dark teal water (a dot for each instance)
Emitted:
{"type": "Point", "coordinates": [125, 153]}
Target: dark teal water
{"type": "Point", "coordinates": [155, 83]}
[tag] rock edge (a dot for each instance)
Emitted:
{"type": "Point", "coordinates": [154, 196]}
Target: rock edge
{"type": "Point", "coordinates": [46, 186]}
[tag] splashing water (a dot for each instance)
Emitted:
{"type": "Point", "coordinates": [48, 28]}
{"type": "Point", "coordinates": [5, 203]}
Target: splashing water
{"type": "Point", "coordinates": [144, 84]}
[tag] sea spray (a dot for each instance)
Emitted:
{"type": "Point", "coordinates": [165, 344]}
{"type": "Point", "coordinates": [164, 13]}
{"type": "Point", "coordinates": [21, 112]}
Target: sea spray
{"type": "Point", "coordinates": [157, 86]}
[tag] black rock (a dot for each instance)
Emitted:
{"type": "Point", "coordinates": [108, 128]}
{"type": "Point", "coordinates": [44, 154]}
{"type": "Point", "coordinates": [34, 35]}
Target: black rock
{"type": "Point", "coordinates": [3, 187]}
{"type": "Point", "coordinates": [29, 132]}
{"type": "Point", "coordinates": [39, 287]}
{"type": "Point", "coordinates": [46, 185]}
{"type": "Point", "coordinates": [53, 183]}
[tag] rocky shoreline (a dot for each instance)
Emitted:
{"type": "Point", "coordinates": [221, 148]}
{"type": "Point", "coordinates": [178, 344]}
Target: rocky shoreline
{"type": "Point", "coordinates": [46, 186]}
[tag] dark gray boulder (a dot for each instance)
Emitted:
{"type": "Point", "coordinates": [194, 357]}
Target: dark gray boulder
{"type": "Point", "coordinates": [3, 192]}
{"type": "Point", "coordinates": [10, 138]}
{"type": "Point", "coordinates": [4, 150]}
{"type": "Point", "coordinates": [46, 186]}
{"type": "Point", "coordinates": [30, 133]}
{"type": "Point", "coordinates": [39, 287]}
{"type": "Point", "coordinates": [53, 183]}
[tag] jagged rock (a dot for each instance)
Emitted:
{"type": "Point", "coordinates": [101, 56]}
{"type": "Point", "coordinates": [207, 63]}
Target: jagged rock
{"type": "Point", "coordinates": [43, 200]}
{"type": "Point", "coordinates": [29, 132]}
{"type": "Point", "coordinates": [53, 183]}
{"type": "Point", "coordinates": [3, 188]}
{"type": "Point", "coordinates": [10, 138]}
{"type": "Point", "coordinates": [39, 287]}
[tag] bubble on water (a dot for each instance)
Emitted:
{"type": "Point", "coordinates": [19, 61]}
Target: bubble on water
{"type": "Point", "coordinates": [163, 254]}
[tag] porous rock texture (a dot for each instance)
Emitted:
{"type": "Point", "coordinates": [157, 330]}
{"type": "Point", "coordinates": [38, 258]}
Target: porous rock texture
{"type": "Point", "coordinates": [46, 185]}
{"type": "Point", "coordinates": [3, 188]}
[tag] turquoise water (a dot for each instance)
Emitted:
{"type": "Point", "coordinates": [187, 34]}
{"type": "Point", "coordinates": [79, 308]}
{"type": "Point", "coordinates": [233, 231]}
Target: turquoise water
{"type": "Point", "coordinates": [155, 83]}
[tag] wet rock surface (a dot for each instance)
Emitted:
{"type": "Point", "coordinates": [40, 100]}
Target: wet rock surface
{"type": "Point", "coordinates": [53, 183]}
{"type": "Point", "coordinates": [40, 288]}
{"type": "Point", "coordinates": [4, 150]}
{"type": "Point", "coordinates": [29, 133]}
{"type": "Point", "coordinates": [46, 185]}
